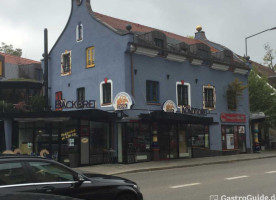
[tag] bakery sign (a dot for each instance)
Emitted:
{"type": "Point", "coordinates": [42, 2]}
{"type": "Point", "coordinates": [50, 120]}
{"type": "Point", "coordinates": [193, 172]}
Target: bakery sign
{"type": "Point", "coordinates": [63, 104]}
{"type": "Point", "coordinates": [122, 101]}
{"type": "Point", "coordinates": [232, 117]}
{"type": "Point", "coordinates": [169, 106]}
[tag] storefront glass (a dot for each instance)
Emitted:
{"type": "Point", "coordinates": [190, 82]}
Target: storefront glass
{"type": "Point", "coordinates": [182, 138]}
{"type": "Point", "coordinates": [137, 140]}
{"type": "Point", "coordinates": [233, 138]}
{"type": "Point", "coordinates": [199, 135]}
{"type": "Point", "coordinates": [100, 143]}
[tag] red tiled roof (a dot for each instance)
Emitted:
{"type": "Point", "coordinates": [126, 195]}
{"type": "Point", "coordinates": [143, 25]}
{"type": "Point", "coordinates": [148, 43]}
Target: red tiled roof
{"type": "Point", "coordinates": [263, 70]}
{"type": "Point", "coordinates": [17, 60]}
{"type": "Point", "coordinates": [121, 25]}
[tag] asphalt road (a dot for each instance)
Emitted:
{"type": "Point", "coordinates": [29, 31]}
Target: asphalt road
{"type": "Point", "coordinates": [247, 180]}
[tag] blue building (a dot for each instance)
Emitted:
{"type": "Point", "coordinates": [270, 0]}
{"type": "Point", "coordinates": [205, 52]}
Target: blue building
{"type": "Point", "coordinates": [123, 92]}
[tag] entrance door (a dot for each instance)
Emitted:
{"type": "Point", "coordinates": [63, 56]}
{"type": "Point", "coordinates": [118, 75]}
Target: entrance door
{"type": "Point", "coordinates": [167, 141]}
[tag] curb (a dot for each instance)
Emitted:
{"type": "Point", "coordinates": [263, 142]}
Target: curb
{"type": "Point", "coordinates": [190, 165]}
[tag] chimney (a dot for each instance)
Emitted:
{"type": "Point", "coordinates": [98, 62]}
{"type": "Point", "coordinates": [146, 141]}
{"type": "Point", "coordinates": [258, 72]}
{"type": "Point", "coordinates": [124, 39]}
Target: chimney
{"type": "Point", "coordinates": [200, 35]}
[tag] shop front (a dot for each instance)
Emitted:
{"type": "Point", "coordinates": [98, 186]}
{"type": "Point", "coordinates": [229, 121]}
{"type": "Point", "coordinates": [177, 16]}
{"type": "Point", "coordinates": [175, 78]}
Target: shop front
{"type": "Point", "coordinates": [161, 136]}
{"type": "Point", "coordinates": [233, 133]}
{"type": "Point", "coordinates": [67, 137]}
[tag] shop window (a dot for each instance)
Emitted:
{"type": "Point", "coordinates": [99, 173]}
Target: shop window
{"type": "Point", "coordinates": [199, 135]}
{"type": "Point", "coordinates": [79, 32]}
{"type": "Point", "coordinates": [152, 91]}
{"type": "Point", "coordinates": [183, 94]}
{"type": "Point", "coordinates": [233, 138]}
{"type": "Point", "coordinates": [80, 96]}
{"type": "Point", "coordinates": [58, 100]}
{"type": "Point", "coordinates": [90, 57]}
{"type": "Point", "coordinates": [106, 93]}
{"type": "Point", "coordinates": [209, 97]}
{"type": "Point", "coordinates": [1, 68]}
{"type": "Point", "coordinates": [66, 63]}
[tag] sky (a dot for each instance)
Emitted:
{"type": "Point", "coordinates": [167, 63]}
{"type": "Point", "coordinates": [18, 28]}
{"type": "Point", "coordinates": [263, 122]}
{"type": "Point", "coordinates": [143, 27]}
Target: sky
{"type": "Point", "coordinates": [227, 22]}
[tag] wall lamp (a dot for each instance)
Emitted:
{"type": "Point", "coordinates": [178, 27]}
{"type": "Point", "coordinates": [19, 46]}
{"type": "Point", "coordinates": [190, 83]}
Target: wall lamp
{"type": "Point", "coordinates": [168, 76]}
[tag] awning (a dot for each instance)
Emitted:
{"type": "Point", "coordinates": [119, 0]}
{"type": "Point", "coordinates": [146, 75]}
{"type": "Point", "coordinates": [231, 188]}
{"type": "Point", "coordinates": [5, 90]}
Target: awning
{"type": "Point", "coordinates": [89, 114]}
{"type": "Point", "coordinates": [169, 116]}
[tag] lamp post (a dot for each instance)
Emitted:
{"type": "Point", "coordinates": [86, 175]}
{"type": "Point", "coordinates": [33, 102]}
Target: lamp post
{"type": "Point", "coordinates": [274, 28]}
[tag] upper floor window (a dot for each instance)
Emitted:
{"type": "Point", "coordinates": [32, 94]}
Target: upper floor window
{"type": "Point", "coordinates": [152, 91]}
{"type": "Point", "coordinates": [79, 32]}
{"type": "Point", "coordinates": [1, 68]}
{"type": "Point", "coordinates": [66, 63]}
{"type": "Point", "coordinates": [159, 43]}
{"type": "Point", "coordinates": [80, 96]}
{"type": "Point", "coordinates": [183, 93]}
{"type": "Point", "coordinates": [209, 97]}
{"type": "Point", "coordinates": [106, 93]}
{"type": "Point", "coordinates": [90, 57]}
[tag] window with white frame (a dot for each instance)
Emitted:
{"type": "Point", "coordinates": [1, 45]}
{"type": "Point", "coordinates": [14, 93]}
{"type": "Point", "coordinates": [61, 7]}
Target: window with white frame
{"type": "Point", "coordinates": [209, 97]}
{"type": "Point", "coordinates": [183, 94]}
{"type": "Point", "coordinates": [66, 63]}
{"type": "Point", "coordinates": [106, 92]}
{"type": "Point", "coordinates": [79, 32]}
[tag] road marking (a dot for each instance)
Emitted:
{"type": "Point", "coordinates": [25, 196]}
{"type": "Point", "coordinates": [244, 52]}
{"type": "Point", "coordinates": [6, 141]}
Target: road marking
{"type": "Point", "coordinates": [271, 172]}
{"type": "Point", "coordinates": [186, 185]}
{"type": "Point", "coordinates": [237, 177]}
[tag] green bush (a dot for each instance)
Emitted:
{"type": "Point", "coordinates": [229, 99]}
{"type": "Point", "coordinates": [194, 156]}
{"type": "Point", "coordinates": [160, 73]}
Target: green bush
{"type": "Point", "coordinates": [37, 103]}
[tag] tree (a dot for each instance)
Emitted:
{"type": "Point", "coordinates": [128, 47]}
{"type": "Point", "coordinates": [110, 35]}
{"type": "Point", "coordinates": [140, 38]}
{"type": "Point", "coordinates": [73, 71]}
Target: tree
{"type": "Point", "coordinates": [262, 97]}
{"type": "Point", "coordinates": [269, 56]}
{"type": "Point", "coordinates": [8, 49]}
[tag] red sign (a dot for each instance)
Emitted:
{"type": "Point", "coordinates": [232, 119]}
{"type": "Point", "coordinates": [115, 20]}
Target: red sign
{"type": "Point", "coordinates": [229, 117]}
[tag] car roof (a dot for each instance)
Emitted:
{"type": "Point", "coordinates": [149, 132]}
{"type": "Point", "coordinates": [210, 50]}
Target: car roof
{"type": "Point", "coordinates": [10, 156]}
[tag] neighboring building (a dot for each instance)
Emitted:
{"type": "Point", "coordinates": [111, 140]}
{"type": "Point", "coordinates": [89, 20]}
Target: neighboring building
{"type": "Point", "coordinates": [129, 93]}
{"type": "Point", "coordinates": [20, 80]}
{"type": "Point", "coordinates": [266, 135]}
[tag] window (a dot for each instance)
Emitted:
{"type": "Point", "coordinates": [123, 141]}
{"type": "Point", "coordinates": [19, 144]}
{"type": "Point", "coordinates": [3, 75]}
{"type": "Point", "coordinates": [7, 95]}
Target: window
{"type": "Point", "coordinates": [12, 173]}
{"type": "Point", "coordinates": [49, 172]}
{"type": "Point", "coordinates": [90, 57]}
{"type": "Point", "coordinates": [58, 100]}
{"type": "Point", "coordinates": [200, 135]}
{"type": "Point", "coordinates": [159, 43]}
{"type": "Point", "coordinates": [183, 94]}
{"type": "Point", "coordinates": [152, 92]}
{"type": "Point", "coordinates": [209, 97]}
{"type": "Point", "coordinates": [80, 96]}
{"type": "Point", "coordinates": [1, 68]}
{"type": "Point", "coordinates": [106, 93]}
{"type": "Point", "coordinates": [66, 63]}
{"type": "Point", "coordinates": [79, 32]}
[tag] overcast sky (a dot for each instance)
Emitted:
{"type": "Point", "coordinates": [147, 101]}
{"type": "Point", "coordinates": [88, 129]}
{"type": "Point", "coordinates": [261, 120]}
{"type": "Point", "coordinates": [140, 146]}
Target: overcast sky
{"type": "Point", "coordinates": [227, 22]}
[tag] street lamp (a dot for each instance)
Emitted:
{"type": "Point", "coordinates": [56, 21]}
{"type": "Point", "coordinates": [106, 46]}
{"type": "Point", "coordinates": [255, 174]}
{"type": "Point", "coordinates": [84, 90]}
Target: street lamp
{"type": "Point", "coordinates": [274, 28]}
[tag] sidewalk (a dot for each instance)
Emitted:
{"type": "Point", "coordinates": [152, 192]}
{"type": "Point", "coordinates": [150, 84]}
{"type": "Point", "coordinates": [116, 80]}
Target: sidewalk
{"type": "Point", "coordinates": [115, 169]}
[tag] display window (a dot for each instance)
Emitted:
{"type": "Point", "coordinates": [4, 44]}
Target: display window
{"type": "Point", "coordinates": [233, 138]}
{"type": "Point", "coordinates": [199, 135]}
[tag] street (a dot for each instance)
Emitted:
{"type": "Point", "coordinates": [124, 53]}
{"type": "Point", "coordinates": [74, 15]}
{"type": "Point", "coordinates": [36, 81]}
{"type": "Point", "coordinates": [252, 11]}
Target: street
{"type": "Point", "coordinates": [254, 177]}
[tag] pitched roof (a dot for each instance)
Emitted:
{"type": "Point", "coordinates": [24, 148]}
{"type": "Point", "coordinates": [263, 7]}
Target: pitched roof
{"type": "Point", "coordinates": [18, 60]}
{"type": "Point", "coordinates": [120, 26]}
{"type": "Point", "coordinates": [263, 70]}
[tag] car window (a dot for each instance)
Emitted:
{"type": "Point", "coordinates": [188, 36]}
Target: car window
{"type": "Point", "coordinates": [12, 173]}
{"type": "Point", "coordinates": [50, 172]}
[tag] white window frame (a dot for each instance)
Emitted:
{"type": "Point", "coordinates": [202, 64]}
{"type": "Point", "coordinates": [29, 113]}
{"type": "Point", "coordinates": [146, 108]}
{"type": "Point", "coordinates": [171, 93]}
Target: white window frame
{"type": "Point", "coordinates": [214, 97]}
{"type": "Point", "coordinates": [189, 93]}
{"type": "Point", "coordinates": [101, 93]}
{"type": "Point", "coordinates": [62, 61]}
{"type": "Point", "coordinates": [77, 33]}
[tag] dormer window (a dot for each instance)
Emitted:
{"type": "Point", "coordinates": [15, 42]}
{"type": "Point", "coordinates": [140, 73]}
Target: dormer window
{"type": "Point", "coordinates": [79, 32]}
{"type": "Point", "coordinates": [159, 43]}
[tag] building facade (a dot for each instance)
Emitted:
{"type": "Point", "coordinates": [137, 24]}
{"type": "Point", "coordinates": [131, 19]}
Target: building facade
{"type": "Point", "coordinates": [123, 92]}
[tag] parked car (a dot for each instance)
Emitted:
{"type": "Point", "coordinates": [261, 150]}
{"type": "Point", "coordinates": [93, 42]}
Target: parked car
{"type": "Point", "coordinates": [41, 175]}
{"type": "Point", "coordinates": [34, 196]}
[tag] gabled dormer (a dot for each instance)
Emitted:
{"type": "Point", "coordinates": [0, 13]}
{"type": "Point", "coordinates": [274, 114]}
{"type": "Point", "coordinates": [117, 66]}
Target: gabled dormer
{"type": "Point", "coordinates": [222, 60]}
{"type": "Point", "coordinates": [200, 53]}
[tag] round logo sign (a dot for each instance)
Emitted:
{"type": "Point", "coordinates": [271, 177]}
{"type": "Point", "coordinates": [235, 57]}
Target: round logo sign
{"type": "Point", "coordinates": [122, 101]}
{"type": "Point", "coordinates": [169, 106]}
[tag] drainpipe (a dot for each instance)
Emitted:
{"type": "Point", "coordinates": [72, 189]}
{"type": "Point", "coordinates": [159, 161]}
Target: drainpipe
{"type": "Point", "coordinates": [46, 57]}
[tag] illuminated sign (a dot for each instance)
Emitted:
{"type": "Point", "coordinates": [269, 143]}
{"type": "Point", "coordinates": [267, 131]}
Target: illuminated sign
{"type": "Point", "coordinates": [231, 117]}
{"type": "Point", "coordinates": [169, 106]}
{"type": "Point", "coordinates": [62, 104]}
{"type": "Point", "coordinates": [122, 101]}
